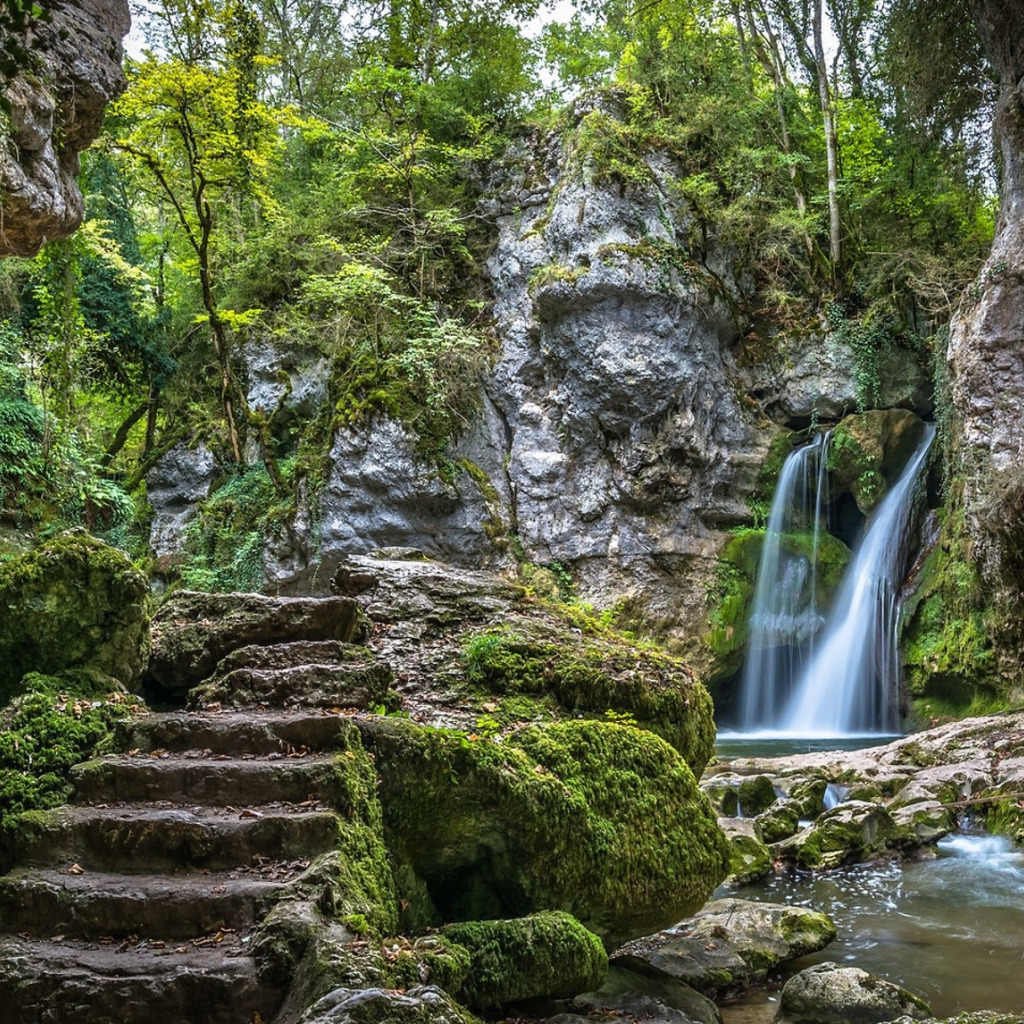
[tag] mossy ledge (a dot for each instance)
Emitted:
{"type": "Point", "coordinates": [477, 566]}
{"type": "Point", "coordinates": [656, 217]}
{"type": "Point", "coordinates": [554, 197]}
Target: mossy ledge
{"type": "Point", "coordinates": [549, 954]}
{"type": "Point", "coordinates": [591, 675]}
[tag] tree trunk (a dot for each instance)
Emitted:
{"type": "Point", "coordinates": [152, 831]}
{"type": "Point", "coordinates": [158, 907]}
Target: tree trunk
{"type": "Point", "coordinates": [831, 150]}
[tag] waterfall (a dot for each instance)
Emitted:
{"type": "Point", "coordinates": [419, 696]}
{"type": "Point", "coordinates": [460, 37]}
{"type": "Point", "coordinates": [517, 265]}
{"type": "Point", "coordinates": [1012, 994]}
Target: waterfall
{"type": "Point", "coordinates": [850, 684]}
{"type": "Point", "coordinates": [784, 618]}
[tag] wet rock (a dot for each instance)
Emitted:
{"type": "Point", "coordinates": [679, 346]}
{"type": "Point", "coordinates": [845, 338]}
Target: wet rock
{"type": "Point", "coordinates": [780, 821]}
{"type": "Point", "coordinates": [868, 451]}
{"type": "Point", "coordinates": [808, 795]}
{"type": "Point", "coordinates": [192, 632]}
{"type": "Point", "coordinates": [729, 946]}
{"type": "Point", "coordinates": [924, 822]}
{"type": "Point", "coordinates": [829, 994]}
{"type": "Point", "coordinates": [548, 955]}
{"type": "Point", "coordinates": [73, 604]}
{"type": "Point", "coordinates": [851, 831]}
{"type": "Point", "coordinates": [723, 792]}
{"type": "Point", "coordinates": [421, 1004]}
{"type": "Point", "coordinates": [749, 858]}
{"type": "Point", "coordinates": [756, 794]}
{"type": "Point", "coordinates": [645, 997]}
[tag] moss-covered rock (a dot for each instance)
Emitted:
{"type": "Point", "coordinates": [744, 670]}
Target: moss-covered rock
{"type": "Point", "coordinates": [780, 821]}
{"type": "Point", "coordinates": [750, 859]}
{"type": "Point", "coordinates": [851, 831]}
{"type": "Point", "coordinates": [72, 603]}
{"type": "Point", "coordinates": [756, 794]}
{"type": "Point", "coordinates": [950, 648]}
{"type": "Point", "coordinates": [592, 675]}
{"type": "Point", "coordinates": [549, 954]}
{"type": "Point", "coordinates": [868, 451]}
{"type": "Point", "coordinates": [603, 821]}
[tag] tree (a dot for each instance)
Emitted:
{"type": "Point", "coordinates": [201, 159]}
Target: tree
{"type": "Point", "coordinates": [194, 124]}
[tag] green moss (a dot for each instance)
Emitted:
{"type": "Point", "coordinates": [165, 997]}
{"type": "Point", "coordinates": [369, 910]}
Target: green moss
{"type": "Point", "coordinates": [948, 639]}
{"type": "Point", "coordinates": [431, 960]}
{"type": "Point", "coordinates": [592, 675]}
{"type": "Point", "coordinates": [760, 500]}
{"type": "Point", "coordinates": [73, 602]}
{"type": "Point", "coordinates": [603, 821]}
{"type": "Point", "coordinates": [224, 543]}
{"type": "Point", "coordinates": [43, 734]}
{"type": "Point", "coordinates": [756, 794]}
{"type": "Point", "coordinates": [363, 885]}
{"type": "Point", "coordinates": [731, 597]}
{"type": "Point", "coordinates": [749, 859]}
{"type": "Point", "coordinates": [543, 955]}
{"type": "Point", "coordinates": [867, 452]}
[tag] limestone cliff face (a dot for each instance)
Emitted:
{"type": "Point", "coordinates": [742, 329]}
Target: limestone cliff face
{"type": "Point", "coordinates": [986, 349]}
{"type": "Point", "coordinates": [56, 112]}
{"type": "Point", "coordinates": [623, 426]}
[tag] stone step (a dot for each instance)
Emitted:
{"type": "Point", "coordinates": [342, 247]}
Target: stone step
{"type": "Point", "coordinates": [135, 839]}
{"type": "Point", "coordinates": [182, 906]}
{"type": "Point", "coordinates": [210, 781]}
{"type": "Point", "coordinates": [285, 676]}
{"type": "Point", "coordinates": [224, 732]}
{"type": "Point", "coordinates": [43, 982]}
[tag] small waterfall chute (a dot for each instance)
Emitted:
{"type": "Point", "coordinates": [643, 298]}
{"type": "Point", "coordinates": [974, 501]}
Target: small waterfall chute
{"type": "Point", "coordinates": [784, 616]}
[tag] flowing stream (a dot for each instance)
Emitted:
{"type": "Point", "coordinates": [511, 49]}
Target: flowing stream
{"type": "Point", "coordinates": [950, 928]}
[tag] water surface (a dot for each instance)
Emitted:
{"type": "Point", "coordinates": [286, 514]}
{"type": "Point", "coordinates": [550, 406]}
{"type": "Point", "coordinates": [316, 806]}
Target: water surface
{"type": "Point", "coordinates": [949, 928]}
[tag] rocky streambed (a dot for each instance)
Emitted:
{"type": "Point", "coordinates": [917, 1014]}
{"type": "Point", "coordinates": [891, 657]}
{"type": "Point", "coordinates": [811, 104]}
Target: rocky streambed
{"type": "Point", "coordinates": [894, 842]}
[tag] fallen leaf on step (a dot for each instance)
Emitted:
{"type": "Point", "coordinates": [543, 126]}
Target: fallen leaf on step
{"type": "Point", "coordinates": [76, 869]}
{"type": "Point", "coordinates": [250, 814]}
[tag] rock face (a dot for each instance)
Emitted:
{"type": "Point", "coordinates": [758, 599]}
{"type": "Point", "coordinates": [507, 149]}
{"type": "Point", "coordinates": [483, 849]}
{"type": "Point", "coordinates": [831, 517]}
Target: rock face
{"type": "Point", "coordinates": [624, 425]}
{"type": "Point", "coordinates": [56, 110]}
{"type": "Point", "coordinates": [986, 346]}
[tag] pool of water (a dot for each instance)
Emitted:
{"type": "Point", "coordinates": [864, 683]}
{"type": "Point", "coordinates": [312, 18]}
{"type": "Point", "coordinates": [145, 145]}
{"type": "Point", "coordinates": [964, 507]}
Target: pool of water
{"type": "Point", "coordinates": [733, 744]}
{"type": "Point", "coordinates": [950, 928]}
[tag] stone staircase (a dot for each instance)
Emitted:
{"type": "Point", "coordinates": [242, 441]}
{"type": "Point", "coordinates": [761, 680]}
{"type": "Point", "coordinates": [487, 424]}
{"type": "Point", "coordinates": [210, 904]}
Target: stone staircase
{"type": "Point", "coordinates": [134, 903]}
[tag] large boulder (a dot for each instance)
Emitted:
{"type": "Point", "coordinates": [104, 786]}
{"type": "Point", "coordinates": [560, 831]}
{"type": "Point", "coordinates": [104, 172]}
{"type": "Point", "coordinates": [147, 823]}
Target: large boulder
{"type": "Point", "coordinates": [600, 820]}
{"type": "Point", "coordinates": [73, 603]}
{"type": "Point", "coordinates": [830, 994]}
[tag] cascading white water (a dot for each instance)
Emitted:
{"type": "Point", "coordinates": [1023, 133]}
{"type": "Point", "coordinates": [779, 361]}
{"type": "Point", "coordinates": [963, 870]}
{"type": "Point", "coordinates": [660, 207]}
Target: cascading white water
{"type": "Point", "coordinates": [784, 618]}
{"type": "Point", "coordinates": [850, 684]}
